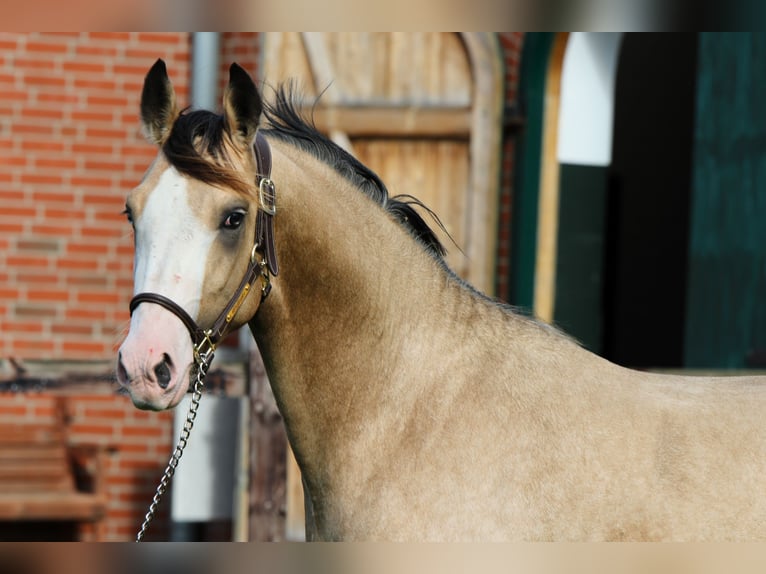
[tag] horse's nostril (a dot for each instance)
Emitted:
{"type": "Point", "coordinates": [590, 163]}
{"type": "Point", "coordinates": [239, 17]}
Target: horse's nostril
{"type": "Point", "coordinates": [162, 371]}
{"type": "Point", "coordinates": [122, 372]}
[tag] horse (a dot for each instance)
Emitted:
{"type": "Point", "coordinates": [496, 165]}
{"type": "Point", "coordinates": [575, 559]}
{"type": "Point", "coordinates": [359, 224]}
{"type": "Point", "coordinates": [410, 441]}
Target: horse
{"type": "Point", "coordinates": [417, 407]}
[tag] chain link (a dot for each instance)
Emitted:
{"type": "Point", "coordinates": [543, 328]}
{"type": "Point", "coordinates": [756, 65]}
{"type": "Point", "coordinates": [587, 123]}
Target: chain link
{"type": "Point", "coordinates": [170, 469]}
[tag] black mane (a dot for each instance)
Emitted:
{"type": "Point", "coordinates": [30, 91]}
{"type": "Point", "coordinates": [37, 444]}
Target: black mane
{"type": "Point", "coordinates": [285, 122]}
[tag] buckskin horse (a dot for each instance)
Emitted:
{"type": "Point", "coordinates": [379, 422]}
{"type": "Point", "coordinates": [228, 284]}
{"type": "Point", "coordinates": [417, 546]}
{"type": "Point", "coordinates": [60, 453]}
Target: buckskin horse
{"type": "Point", "coordinates": [417, 407]}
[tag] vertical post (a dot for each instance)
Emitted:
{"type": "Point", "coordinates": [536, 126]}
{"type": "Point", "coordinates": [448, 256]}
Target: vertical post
{"type": "Point", "coordinates": [268, 459]}
{"type": "Point", "coordinates": [206, 51]}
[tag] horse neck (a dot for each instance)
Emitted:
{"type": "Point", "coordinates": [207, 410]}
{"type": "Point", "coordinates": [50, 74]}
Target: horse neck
{"type": "Point", "coordinates": [356, 299]}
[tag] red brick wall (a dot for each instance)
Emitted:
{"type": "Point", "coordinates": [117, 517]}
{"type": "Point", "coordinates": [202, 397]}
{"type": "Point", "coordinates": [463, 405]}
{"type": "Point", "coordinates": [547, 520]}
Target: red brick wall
{"type": "Point", "coordinates": [70, 149]}
{"type": "Point", "coordinates": [244, 48]}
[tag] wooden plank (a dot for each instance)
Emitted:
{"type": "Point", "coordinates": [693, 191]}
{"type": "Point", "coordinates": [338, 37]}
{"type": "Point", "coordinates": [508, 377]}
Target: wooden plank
{"type": "Point", "coordinates": [51, 506]}
{"type": "Point", "coordinates": [547, 227]}
{"type": "Point", "coordinates": [358, 120]}
{"type": "Point", "coordinates": [322, 71]}
{"type": "Point", "coordinates": [268, 450]}
{"type": "Point", "coordinates": [484, 191]}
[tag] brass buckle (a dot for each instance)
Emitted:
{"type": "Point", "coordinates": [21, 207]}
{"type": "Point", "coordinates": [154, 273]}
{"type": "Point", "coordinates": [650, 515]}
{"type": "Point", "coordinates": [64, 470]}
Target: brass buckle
{"type": "Point", "coordinates": [267, 196]}
{"type": "Point", "coordinates": [203, 355]}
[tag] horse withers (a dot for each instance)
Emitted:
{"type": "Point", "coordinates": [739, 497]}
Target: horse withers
{"type": "Point", "coordinates": [417, 407]}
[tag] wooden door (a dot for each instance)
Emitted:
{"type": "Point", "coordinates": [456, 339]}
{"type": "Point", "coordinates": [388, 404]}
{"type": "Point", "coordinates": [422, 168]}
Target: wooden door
{"type": "Point", "coordinates": [424, 111]}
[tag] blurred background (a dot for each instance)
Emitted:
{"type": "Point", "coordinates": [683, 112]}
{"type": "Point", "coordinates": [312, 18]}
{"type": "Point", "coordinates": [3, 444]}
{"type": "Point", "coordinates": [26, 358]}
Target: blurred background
{"type": "Point", "coordinates": [612, 183]}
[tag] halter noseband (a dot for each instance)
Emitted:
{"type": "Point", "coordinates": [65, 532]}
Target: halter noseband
{"type": "Point", "coordinates": [206, 341]}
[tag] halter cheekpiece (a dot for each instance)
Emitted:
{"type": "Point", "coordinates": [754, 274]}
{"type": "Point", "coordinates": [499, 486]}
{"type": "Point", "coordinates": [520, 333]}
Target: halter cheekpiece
{"type": "Point", "coordinates": [206, 341]}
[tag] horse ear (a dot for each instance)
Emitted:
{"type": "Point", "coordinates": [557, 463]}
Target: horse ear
{"type": "Point", "coordinates": [158, 104]}
{"type": "Point", "coordinates": [242, 105]}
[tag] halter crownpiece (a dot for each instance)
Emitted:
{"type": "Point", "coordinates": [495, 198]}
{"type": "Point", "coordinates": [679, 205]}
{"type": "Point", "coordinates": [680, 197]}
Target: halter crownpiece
{"type": "Point", "coordinates": [206, 341]}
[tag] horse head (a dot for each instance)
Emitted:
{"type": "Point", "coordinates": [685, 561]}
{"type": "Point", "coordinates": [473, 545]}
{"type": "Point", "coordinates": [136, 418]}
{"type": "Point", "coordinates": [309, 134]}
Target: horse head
{"type": "Point", "coordinates": [201, 219]}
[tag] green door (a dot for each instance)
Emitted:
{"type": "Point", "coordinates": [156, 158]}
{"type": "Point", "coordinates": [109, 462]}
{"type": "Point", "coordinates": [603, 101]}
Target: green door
{"type": "Point", "coordinates": [726, 302]}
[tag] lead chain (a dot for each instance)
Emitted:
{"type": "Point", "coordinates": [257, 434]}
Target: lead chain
{"type": "Point", "coordinates": [179, 450]}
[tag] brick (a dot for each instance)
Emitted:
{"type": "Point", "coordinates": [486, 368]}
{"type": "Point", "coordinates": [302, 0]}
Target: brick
{"type": "Point", "coordinates": [71, 263]}
{"type": "Point", "coordinates": [105, 133]}
{"type": "Point", "coordinates": [104, 232]}
{"type": "Point", "coordinates": [50, 47]}
{"type": "Point", "coordinates": [34, 63]}
{"type": "Point", "coordinates": [41, 145]}
{"type": "Point", "coordinates": [92, 116]}
{"type": "Point", "coordinates": [76, 66]}
{"type": "Point", "coordinates": [23, 345]}
{"type": "Point", "coordinates": [53, 230]}
{"type": "Point", "coordinates": [116, 37]}
{"type": "Point", "coordinates": [159, 38]}
{"type": "Point", "coordinates": [12, 95]}
{"type": "Point", "coordinates": [58, 212]}
{"type": "Point", "coordinates": [104, 412]}
{"type": "Point", "coordinates": [41, 179]}
{"type": "Point", "coordinates": [45, 81]}
{"type": "Point", "coordinates": [104, 165]}
{"type": "Point", "coordinates": [59, 195]}
{"type": "Point", "coordinates": [111, 101]}
{"type": "Point", "coordinates": [92, 148]}
{"type": "Point", "coordinates": [71, 329]}
{"type": "Point", "coordinates": [35, 311]}
{"type": "Point", "coordinates": [19, 211]}
{"type": "Point", "coordinates": [98, 297]}
{"type": "Point", "coordinates": [104, 85]}
{"type": "Point", "coordinates": [39, 245]}
{"type": "Point", "coordinates": [47, 278]}
{"type": "Point", "coordinates": [97, 50]}
{"type": "Point", "coordinates": [26, 261]}
{"type": "Point", "coordinates": [58, 97]}
{"type": "Point", "coordinates": [91, 247]}
{"type": "Point", "coordinates": [56, 163]}
{"type": "Point", "coordinates": [21, 327]}
{"type": "Point", "coordinates": [83, 348]}
{"type": "Point", "coordinates": [115, 197]}
{"type": "Point", "coordinates": [7, 410]}
{"type": "Point", "coordinates": [10, 228]}
{"type": "Point", "coordinates": [34, 295]}
{"type": "Point", "coordinates": [19, 129]}
{"type": "Point", "coordinates": [146, 56]}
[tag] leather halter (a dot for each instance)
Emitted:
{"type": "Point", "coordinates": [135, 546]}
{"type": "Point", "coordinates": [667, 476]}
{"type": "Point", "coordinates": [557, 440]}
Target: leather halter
{"type": "Point", "coordinates": [206, 341]}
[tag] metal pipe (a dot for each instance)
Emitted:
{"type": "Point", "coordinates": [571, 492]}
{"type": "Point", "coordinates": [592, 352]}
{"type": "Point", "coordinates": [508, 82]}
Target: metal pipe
{"type": "Point", "coordinates": [206, 50]}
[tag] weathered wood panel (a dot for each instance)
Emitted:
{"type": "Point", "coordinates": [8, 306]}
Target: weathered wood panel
{"type": "Point", "coordinates": [409, 103]}
{"type": "Point", "coordinates": [436, 172]}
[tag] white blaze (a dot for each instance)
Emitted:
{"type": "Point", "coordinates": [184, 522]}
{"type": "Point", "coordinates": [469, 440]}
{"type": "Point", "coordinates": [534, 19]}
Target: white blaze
{"type": "Point", "coordinates": [172, 245]}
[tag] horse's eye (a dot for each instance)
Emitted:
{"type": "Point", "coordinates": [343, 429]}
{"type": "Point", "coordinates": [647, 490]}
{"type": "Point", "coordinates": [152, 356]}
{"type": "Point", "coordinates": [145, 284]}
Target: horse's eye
{"type": "Point", "coordinates": [128, 214]}
{"type": "Point", "coordinates": [233, 220]}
